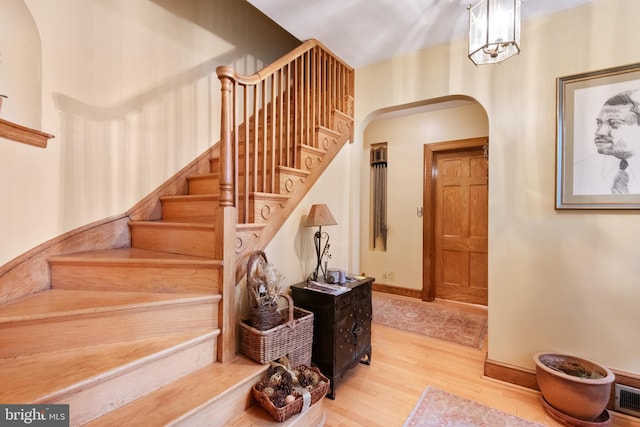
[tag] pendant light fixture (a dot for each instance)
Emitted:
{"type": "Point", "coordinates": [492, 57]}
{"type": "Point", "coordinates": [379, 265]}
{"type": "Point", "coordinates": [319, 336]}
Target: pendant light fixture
{"type": "Point", "coordinates": [494, 31]}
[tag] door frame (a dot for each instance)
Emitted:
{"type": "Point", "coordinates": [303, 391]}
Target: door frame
{"type": "Point", "coordinates": [430, 174]}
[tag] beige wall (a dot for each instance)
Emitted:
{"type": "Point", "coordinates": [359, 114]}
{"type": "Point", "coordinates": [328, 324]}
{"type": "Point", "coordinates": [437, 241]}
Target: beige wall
{"type": "Point", "coordinates": [562, 281]}
{"type": "Point", "coordinates": [292, 250]}
{"type": "Point", "coordinates": [20, 64]}
{"type": "Point", "coordinates": [129, 90]}
{"type": "Point", "coordinates": [401, 264]}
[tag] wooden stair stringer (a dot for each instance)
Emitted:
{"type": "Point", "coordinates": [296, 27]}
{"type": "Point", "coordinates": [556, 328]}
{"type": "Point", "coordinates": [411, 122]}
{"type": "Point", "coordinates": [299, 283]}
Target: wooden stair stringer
{"type": "Point", "coordinates": [343, 124]}
{"type": "Point", "coordinates": [290, 179]}
{"type": "Point", "coordinates": [246, 234]}
{"type": "Point", "coordinates": [326, 137]}
{"type": "Point", "coordinates": [263, 206]}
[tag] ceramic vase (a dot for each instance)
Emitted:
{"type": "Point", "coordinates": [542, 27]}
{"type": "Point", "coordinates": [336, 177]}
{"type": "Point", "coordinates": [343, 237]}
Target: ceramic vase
{"type": "Point", "coordinates": [576, 387]}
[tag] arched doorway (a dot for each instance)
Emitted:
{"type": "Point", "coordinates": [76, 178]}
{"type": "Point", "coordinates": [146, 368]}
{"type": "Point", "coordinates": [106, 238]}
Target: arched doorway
{"type": "Point", "coordinates": [407, 129]}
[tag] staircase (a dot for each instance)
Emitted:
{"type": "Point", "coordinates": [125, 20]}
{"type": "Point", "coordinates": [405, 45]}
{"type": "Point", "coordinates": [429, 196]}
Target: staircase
{"type": "Point", "coordinates": [136, 322]}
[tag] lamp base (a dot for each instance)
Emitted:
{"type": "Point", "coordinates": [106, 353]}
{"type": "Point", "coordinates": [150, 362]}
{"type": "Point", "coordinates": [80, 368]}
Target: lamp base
{"type": "Point", "coordinates": [320, 253]}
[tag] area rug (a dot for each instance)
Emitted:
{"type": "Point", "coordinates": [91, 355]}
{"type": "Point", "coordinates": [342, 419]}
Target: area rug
{"type": "Point", "coordinates": [435, 321]}
{"type": "Point", "coordinates": [437, 408]}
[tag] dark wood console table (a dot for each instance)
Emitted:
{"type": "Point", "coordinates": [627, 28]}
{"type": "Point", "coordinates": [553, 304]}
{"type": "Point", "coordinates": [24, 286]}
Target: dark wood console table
{"type": "Point", "coordinates": [341, 327]}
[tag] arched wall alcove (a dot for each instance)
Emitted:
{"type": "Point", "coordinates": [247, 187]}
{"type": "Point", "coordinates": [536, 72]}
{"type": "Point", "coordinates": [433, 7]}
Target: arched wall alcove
{"type": "Point", "coordinates": [406, 129]}
{"type": "Point", "coordinates": [20, 65]}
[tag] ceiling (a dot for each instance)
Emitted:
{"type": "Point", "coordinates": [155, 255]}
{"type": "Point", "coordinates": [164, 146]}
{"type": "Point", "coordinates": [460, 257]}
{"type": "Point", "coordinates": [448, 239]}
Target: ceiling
{"type": "Point", "coordinates": [362, 32]}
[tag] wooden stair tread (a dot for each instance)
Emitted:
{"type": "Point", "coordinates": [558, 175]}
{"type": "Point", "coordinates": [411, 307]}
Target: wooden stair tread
{"type": "Point", "coordinates": [134, 256]}
{"type": "Point", "coordinates": [185, 395]}
{"type": "Point", "coordinates": [293, 171]}
{"type": "Point", "coordinates": [250, 226]}
{"type": "Point", "coordinates": [38, 377]}
{"type": "Point", "coordinates": [54, 303]}
{"type": "Point", "coordinates": [312, 149]}
{"type": "Point", "coordinates": [191, 197]}
{"type": "Point", "coordinates": [206, 175]}
{"type": "Point", "coordinates": [271, 196]}
{"type": "Point", "coordinates": [172, 224]}
{"type": "Point", "coordinates": [241, 194]}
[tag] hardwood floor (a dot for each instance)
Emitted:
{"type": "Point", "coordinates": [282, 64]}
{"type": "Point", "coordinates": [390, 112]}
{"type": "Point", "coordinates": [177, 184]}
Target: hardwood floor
{"type": "Point", "coordinates": [404, 364]}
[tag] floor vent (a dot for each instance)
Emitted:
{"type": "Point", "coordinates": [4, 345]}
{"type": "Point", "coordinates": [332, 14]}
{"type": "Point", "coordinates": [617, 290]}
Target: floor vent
{"type": "Point", "coordinates": [628, 400]}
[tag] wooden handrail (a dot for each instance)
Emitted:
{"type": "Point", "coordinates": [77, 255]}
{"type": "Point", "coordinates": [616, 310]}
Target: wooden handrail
{"type": "Point", "coordinates": [277, 64]}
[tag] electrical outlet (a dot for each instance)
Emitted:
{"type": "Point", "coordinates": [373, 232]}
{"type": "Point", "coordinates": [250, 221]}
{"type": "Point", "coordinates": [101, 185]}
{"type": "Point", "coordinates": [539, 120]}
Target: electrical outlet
{"type": "Point", "coordinates": [385, 274]}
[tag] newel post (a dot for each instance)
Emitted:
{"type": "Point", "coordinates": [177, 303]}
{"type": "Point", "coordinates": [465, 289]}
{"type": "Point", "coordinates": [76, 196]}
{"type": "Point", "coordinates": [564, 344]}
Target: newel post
{"type": "Point", "coordinates": [225, 74]}
{"type": "Point", "coordinates": [225, 226]}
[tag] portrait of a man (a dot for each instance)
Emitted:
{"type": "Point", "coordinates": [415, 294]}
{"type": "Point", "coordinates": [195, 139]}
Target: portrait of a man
{"type": "Point", "coordinates": [611, 164]}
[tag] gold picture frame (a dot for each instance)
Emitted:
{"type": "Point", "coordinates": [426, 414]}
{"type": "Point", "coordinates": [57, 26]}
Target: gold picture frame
{"type": "Point", "coordinates": [594, 120]}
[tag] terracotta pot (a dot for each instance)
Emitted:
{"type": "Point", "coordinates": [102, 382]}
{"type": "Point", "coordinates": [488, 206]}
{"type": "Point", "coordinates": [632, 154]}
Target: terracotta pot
{"type": "Point", "coordinates": [577, 387]}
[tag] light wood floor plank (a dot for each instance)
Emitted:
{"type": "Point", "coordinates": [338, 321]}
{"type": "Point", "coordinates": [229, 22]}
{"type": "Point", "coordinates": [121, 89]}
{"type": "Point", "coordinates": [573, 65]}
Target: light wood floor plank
{"type": "Point", "coordinates": [404, 364]}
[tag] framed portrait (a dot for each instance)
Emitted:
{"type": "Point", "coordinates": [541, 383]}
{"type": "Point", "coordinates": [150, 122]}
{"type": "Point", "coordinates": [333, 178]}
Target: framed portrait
{"type": "Point", "coordinates": [598, 139]}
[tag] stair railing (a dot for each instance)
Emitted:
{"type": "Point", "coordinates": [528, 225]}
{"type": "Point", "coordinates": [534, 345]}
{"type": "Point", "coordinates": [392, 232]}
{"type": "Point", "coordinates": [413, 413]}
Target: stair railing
{"type": "Point", "coordinates": [272, 113]}
{"type": "Point", "coordinates": [266, 118]}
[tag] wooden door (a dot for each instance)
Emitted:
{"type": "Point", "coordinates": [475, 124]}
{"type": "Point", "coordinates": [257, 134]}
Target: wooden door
{"type": "Point", "coordinates": [458, 216]}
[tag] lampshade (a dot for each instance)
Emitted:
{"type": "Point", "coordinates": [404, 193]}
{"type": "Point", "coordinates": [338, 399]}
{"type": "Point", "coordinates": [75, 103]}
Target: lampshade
{"type": "Point", "coordinates": [494, 31]}
{"type": "Point", "coordinates": [319, 215]}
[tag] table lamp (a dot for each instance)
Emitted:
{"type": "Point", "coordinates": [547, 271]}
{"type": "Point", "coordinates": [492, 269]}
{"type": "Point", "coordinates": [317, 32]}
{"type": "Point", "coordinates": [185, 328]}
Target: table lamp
{"type": "Point", "coordinates": [319, 216]}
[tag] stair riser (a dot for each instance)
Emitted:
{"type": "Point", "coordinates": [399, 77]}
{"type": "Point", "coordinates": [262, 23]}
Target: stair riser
{"type": "Point", "coordinates": [35, 336]}
{"type": "Point", "coordinates": [222, 409]}
{"type": "Point", "coordinates": [125, 278]}
{"type": "Point", "coordinates": [201, 211]}
{"type": "Point", "coordinates": [315, 416]}
{"type": "Point", "coordinates": [204, 185]}
{"type": "Point", "coordinates": [187, 241]}
{"type": "Point", "coordinates": [125, 386]}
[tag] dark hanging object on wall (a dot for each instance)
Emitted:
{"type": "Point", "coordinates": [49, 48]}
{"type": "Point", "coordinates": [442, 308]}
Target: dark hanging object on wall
{"type": "Point", "coordinates": [379, 169]}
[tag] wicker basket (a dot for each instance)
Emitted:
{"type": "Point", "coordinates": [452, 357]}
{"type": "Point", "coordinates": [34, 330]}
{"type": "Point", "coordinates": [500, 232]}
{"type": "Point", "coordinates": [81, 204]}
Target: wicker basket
{"type": "Point", "coordinates": [295, 407]}
{"type": "Point", "coordinates": [293, 339]}
{"type": "Point", "coordinates": [263, 317]}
